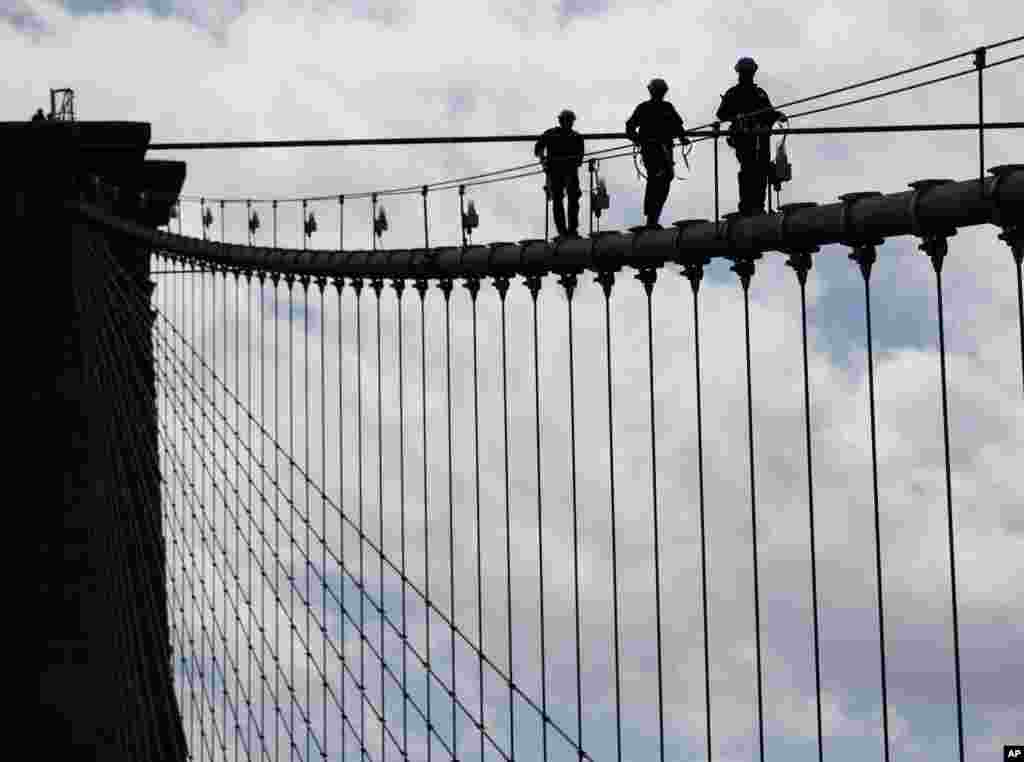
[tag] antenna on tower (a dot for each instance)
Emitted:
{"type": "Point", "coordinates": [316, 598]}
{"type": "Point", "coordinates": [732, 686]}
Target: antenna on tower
{"type": "Point", "coordinates": [62, 104]}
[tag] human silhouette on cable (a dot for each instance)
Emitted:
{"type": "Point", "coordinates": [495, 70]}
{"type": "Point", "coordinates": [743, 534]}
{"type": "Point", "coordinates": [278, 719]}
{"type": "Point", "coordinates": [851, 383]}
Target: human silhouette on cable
{"type": "Point", "coordinates": [39, 116]}
{"type": "Point", "coordinates": [752, 151]}
{"type": "Point", "coordinates": [560, 150]}
{"type": "Point", "coordinates": [654, 125]}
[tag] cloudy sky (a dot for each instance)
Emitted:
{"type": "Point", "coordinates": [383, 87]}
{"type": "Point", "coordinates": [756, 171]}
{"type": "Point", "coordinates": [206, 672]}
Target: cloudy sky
{"type": "Point", "coordinates": [234, 70]}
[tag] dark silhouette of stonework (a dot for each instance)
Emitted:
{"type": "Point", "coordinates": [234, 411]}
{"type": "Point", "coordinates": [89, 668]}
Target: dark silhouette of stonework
{"type": "Point", "coordinates": [91, 496]}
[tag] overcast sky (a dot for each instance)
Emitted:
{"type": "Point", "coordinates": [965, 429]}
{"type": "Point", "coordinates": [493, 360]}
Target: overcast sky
{"type": "Point", "coordinates": [234, 70]}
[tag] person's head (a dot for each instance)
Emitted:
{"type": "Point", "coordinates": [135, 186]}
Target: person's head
{"type": "Point", "coordinates": [746, 68]}
{"type": "Point", "coordinates": [566, 118]}
{"type": "Point", "coordinates": [657, 87]}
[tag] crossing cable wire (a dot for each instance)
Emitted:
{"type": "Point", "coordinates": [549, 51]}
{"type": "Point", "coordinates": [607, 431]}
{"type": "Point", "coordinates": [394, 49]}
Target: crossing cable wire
{"type": "Point", "coordinates": [864, 254]}
{"type": "Point", "coordinates": [533, 283]}
{"type": "Point", "coordinates": [936, 247]}
{"type": "Point", "coordinates": [606, 278]}
{"type": "Point", "coordinates": [472, 284]}
{"type": "Point", "coordinates": [693, 270]}
{"type": "Point", "coordinates": [647, 276]}
{"type": "Point", "coordinates": [568, 282]}
{"type": "Point", "coordinates": [524, 696]}
{"type": "Point", "coordinates": [302, 643]}
{"type": "Point", "coordinates": [224, 498]}
{"type": "Point", "coordinates": [801, 263]}
{"type": "Point", "coordinates": [744, 268]}
{"type": "Point", "coordinates": [445, 285]}
{"type": "Point", "coordinates": [373, 547]}
{"type": "Point", "coordinates": [129, 636]}
{"type": "Point", "coordinates": [138, 440]}
{"type": "Point", "coordinates": [501, 283]}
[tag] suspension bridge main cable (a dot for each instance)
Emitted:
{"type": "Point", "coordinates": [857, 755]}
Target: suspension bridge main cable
{"type": "Point", "coordinates": [611, 152]}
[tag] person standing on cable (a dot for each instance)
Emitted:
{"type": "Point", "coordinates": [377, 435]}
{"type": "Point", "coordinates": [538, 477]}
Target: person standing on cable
{"type": "Point", "coordinates": [560, 150]}
{"type": "Point", "coordinates": [654, 125]}
{"type": "Point", "coordinates": [752, 151]}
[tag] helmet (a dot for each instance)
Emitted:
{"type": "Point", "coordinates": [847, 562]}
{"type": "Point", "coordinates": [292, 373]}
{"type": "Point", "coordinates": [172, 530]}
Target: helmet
{"type": "Point", "coordinates": [746, 64]}
{"type": "Point", "coordinates": [657, 86]}
{"type": "Point", "coordinates": [566, 114]}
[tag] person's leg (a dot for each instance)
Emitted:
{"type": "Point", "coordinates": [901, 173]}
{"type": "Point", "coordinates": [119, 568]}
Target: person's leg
{"type": "Point", "coordinates": [659, 194]}
{"type": "Point", "coordinates": [556, 183]}
{"type": "Point", "coordinates": [572, 189]}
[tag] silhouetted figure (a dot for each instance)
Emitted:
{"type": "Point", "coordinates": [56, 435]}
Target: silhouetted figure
{"type": "Point", "coordinates": [654, 125]}
{"type": "Point", "coordinates": [752, 151]}
{"type": "Point", "coordinates": [39, 116]}
{"type": "Point", "coordinates": [560, 150]}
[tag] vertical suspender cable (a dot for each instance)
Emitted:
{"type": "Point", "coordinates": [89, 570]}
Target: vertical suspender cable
{"type": "Point", "coordinates": [261, 357]}
{"type": "Point", "coordinates": [421, 287]}
{"type": "Point", "coordinates": [694, 272]}
{"type": "Point", "coordinates": [399, 286]}
{"type": "Point", "coordinates": [937, 247]}
{"type": "Point", "coordinates": [426, 223]}
{"type": "Point", "coordinates": [801, 264]}
{"type": "Point", "coordinates": [501, 284]}
{"type": "Point", "coordinates": [979, 64]}
{"type": "Point", "coordinates": [238, 496]}
{"type": "Point", "coordinates": [864, 256]}
{"type": "Point", "coordinates": [533, 282]}
{"type": "Point", "coordinates": [274, 207]}
{"type": "Point", "coordinates": [647, 276]}
{"type": "Point", "coordinates": [744, 268]}
{"type": "Point", "coordinates": [275, 280]}
{"type": "Point", "coordinates": [322, 285]}
{"type": "Point", "coordinates": [568, 282]}
{"type": "Point", "coordinates": [717, 128]}
{"type": "Point", "coordinates": [472, 284]}
{"type": "Point", "coordinates": [607, 279]}
{"type": "Point", "coordinates": [357, 284]}
{"type": "Point", "coordinates": [341, 226]}
{"type": "Point", "coordinates": [378, 285]}
{"type": "Point", "coordinates": [462, 213]}
{"type": "Point", "coordinates": [373, 221]}
{"type": "Point", "coordinates": [445, 284]}
{"type": "Point", "coordinates": [339, 285]}
{"type": "Point", "coordinates": [222, 220]}
{"type": "Point", "coordinates": [290, 282]}
{"type": "Point", "coordinates": [309, 471]}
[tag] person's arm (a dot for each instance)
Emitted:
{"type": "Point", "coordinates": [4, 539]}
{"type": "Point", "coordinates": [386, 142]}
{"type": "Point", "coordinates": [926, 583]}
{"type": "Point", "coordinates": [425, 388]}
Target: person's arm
{"type": "Point", "coordinates": [631, 125]}
{"type": "Point", "coordinates": [678, 127]}
{"type": "Point", "coordinates": [725, 109]}
{"type": "Point", "coordinates": [538, 148]}
{"type": "Point", "coordinates": [579, 150]}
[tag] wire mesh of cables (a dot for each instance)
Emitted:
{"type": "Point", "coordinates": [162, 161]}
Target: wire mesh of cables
{"type": "Point", "coordinates": [341, 584]}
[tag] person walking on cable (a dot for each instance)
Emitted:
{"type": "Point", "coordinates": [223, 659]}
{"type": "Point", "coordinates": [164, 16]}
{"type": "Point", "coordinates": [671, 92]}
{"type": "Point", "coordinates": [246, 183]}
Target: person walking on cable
{"type": "Point", "coordinates": [747, 106]}
{"type": "Point", "coordinates": [560, 150]}
{"type": "Point", "coordinates": [654, 125]}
